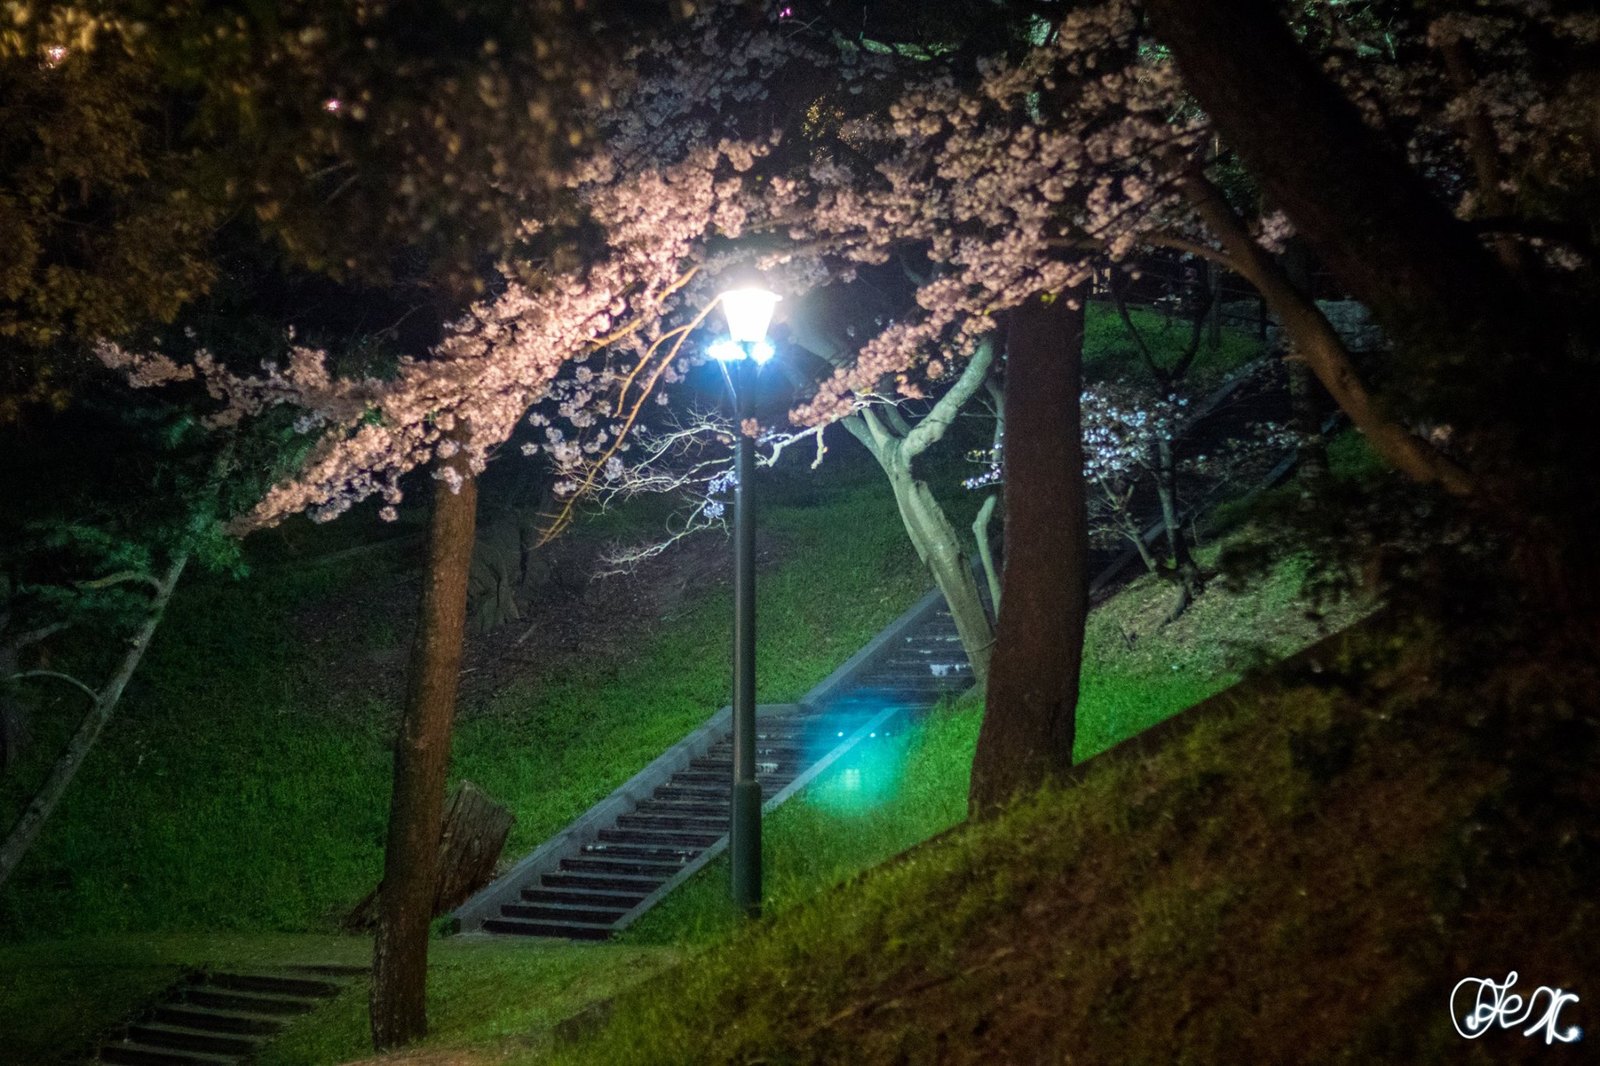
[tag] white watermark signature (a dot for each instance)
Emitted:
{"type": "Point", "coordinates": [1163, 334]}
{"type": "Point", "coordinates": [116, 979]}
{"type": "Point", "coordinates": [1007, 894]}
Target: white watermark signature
{"type": "Point", "coordinates": [1492, 1003]}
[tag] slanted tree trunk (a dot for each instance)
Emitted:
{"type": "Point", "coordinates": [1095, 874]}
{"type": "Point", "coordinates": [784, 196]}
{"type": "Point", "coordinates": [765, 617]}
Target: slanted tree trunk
{"type": "Point", "coordinates": [1307, 399]}
{"type": "Point", "coordinates": [1319, 345]}
{"type": "Point", "coordinates": [984, 522]}
{"type": "Point", "coordinates": [940, 550]}
{"type": "Point", "coordinates": [1184, 567]}
{"type": "Point", "coordinates": [1488, 350]}
{"type": "Point", "coordinates": [1369, 217]}
{"type": "Point", "coordinates": [43, 804]}
{"type": "Point", "coordinates": [422, 754]}
{"type": "Point", "coordinates": [1030, 714]}
{"type": "Point", "coordinates": [896, 445]}
{"type": "Point", "coordinates": [980, 532]}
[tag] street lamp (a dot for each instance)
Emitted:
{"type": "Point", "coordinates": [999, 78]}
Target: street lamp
{"type": "Point", "coordinates": [749, 312]}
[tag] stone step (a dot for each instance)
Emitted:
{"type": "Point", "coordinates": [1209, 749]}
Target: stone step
{"type": "Point", "coordinates": [795, 752]}
{"type": "Point", "coordinates": [694, 793]}
{"type": "Point", "coordinates": [560, 912]}
{"type": "Point", "coordinates": [622, 884]}
{"type": "Point", "coordinates": [240, 1000]}
{"type": "Point", "coordinates": [675, 855]}
{"type": "Point", "coordinates": [182, 1038]}
{"type": "Point", "coordinates": [682, 823]}
{"type": "Point", "coordinates": [562, 930]}
{"type": "Point", "coordinates": [703, 810]}
{"type": "Point", "coordinates": [623, 900]}
{"type": "Point", "coordinates": [219, 1021]}
{"type": "Point", "coordinates": [633, 867]}
{"type": "Point", "coordinates": [130, 1053]}
{"type": "Point", "coordinates": [659, 838]}
{"type": "Point", "coordinates": [700, 778]}
{"type": "Point", "coordinates": [303, 987]}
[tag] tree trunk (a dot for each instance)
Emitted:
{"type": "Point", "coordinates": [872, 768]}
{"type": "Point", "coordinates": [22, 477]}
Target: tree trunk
{"type": "Point", "coordinates": [416, 810]}
{"type": "Point", "coordinates": [980, 533]}
{"type": "Point", "coordinates": [940, 548]}
{"type": "Point", "coordinates": [1029, 720]}
{"type": "Point", "coordinates": [1184, 568]}
{"type": "Point", "coordinates": [1316, 341]}
{"type": "Point", "coordinates": [44, 802]}
{"type": "Point", "coordinates": [1485, 351]}
{"type": "Point", "coordinates": [1370, 218]}
{"type": "Point", "coordinates": [1307, 399]}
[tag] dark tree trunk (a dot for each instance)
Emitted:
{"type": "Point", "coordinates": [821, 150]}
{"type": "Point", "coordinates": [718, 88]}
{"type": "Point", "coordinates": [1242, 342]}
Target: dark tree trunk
{"type": "Point", "coordinates": [1184, 567]}
{"type": "Point", "coordinates": [1308, 401]}
{"type": "Point", "coordinates": [422, 755]}
{"type": "Point", "coordinates": [1484, 351]}
{"type": "Point", "coordinates": [1371, 220]}
{"type": "Point", "coordinates": [1030, 714]}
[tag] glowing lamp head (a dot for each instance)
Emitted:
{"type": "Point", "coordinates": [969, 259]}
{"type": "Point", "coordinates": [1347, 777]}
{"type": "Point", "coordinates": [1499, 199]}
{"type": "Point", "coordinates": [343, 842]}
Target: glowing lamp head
{"type": "Point", "coordinates": [749, 312]}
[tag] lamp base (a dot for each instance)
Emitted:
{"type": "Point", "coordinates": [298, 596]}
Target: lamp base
{"type": "Point", "coordinates": [745, 847]}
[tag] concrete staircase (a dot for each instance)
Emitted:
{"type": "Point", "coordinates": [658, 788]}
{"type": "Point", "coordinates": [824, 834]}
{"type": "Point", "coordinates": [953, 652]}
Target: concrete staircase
{"type": "Point", "coordinates": [628, 852]}
{"type": "Point", "coordinates": [219, 1019]}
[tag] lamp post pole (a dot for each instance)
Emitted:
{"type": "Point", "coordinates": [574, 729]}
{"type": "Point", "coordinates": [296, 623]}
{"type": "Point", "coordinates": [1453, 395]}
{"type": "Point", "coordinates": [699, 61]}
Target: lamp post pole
{"type": "Point", "coordinates": [749, 312]}
{"type": "Point", "coordinates": [745, 843]}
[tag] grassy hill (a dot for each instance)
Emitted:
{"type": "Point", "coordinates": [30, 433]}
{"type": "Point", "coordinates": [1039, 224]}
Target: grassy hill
{"type": "Point", "coordinates": [1299, 870]}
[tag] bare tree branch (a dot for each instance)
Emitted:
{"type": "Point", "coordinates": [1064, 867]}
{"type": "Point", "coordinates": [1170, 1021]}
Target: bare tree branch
{"type": "Point", "coordinates": [57, 676]}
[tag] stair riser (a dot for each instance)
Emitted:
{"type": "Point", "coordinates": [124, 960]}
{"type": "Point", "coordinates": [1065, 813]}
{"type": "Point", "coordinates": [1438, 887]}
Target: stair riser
{"type": "Point", "coordinates": [692, 810]}
{"type": "Point", "coordinates": [210, 1043]}
{"type": "Point", "coordinates": [128, 1056]}
{"type": "Point", "coordinates": [288, 986]}
{"type": "Point", "coordinates": [674, 823]}
{"type": "Point", "coordinates": [660, 838]}
{"type": "Point", "coordinates": [617, 900]}
{"type": "Point", "coordinates": [220, 1023]}
{"type": "Point", "coordinates": [495, 925]}
{"type": "Point", "coordinates": [560, 914]}
{"type": "Point", "coordinates": [618, 866]}
{"type": "Point", "coordinates": [637, 886]}
{"type": "Point", "coordinates": [639, 853]}
{"type": "Point", "coordinates": [205, 997]}
{"type": "Point", "coordinates": [717, 793]}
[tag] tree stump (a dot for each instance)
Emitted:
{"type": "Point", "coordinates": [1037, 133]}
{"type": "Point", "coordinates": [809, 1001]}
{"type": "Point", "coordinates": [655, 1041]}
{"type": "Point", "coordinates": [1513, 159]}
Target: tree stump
{"type": "Point", "coordinates": [475, 831]}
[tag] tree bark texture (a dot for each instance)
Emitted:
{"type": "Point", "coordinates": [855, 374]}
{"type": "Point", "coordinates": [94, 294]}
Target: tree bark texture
{"type": "Point", "coordinates": [1030, 714]}
{"type": "Point", "coordinates": [422, 754]}
{"type": "Point", "coordinates": [44, 802]}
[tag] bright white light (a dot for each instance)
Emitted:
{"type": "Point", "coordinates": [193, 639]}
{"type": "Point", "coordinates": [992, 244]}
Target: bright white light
{"type": "Point", "coordinates": [749, 312]}
{"type": "Point", "coordinates": [761, 351]}
{"type": "Point", "coordinates": [725, 351]}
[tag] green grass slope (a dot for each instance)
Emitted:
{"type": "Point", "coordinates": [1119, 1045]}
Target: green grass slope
{"type": "Point", "coordinates": [233, 792]}
{"type": "Point", "coordinates": [896, 791]}
{"type": "Point", "coordinates": [1299, 871]}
